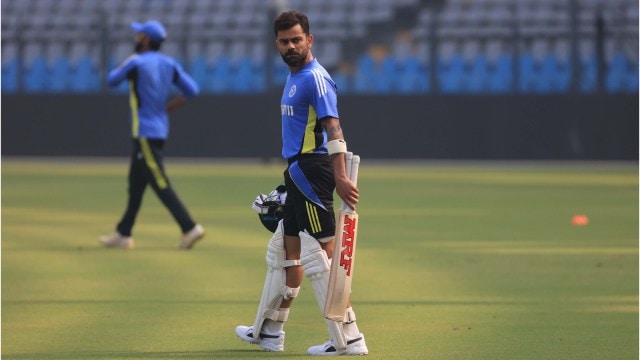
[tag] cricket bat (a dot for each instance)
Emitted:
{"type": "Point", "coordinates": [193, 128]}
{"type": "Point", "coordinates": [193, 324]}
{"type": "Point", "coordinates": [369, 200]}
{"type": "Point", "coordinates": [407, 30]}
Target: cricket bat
{"type": "Point", "coordinates": [344, 252]}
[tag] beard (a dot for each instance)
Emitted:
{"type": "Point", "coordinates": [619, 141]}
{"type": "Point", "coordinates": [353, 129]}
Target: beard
{"type": "Point", "coordinates": [138, 47]}
{"type": "Point", "coordinates": [294, 59]}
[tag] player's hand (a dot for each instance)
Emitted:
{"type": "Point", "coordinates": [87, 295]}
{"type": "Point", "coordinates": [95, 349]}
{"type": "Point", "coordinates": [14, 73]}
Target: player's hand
{"type": "Point", "coordinates": [348, 192]}
{"type": "Point", "coordinates": [175, 103]}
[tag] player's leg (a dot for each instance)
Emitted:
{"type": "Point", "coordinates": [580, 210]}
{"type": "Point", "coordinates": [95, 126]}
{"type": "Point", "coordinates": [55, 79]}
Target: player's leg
{"type": "Point", "coordinates": [152, 155]}
{"type": "Point", "coordinates": [137, 183]}
{"type": "Point", "coordinates": [267, 330]}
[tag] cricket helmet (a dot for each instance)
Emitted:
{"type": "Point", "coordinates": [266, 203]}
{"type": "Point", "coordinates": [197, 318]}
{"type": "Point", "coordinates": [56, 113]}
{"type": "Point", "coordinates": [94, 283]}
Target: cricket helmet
{"type": "Point", "coordinates": [270, 208]}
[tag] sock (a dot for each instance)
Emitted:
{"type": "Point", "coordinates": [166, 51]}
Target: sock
{"type": "Point", "coordinates": [350, 327]}
{"type": "Point", "coordinates": [272, 327]}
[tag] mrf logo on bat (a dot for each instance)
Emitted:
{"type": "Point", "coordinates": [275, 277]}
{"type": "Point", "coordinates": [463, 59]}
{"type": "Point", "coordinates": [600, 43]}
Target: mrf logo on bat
{"type": "Point", "coordinates": [348, 240]}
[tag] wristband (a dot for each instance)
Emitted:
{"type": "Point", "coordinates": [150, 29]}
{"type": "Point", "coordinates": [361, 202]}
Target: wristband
{"type": "Point", "coordinates": [336, 147]}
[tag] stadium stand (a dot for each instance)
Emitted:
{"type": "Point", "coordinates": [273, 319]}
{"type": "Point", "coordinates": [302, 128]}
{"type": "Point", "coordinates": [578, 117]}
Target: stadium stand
{"type": "Point", "coordinates": [370, 46]}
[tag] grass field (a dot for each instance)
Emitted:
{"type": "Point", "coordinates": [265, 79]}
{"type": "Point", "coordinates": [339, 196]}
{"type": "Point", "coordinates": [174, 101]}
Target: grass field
{"type": "Point", "coordinates": [455, 261]}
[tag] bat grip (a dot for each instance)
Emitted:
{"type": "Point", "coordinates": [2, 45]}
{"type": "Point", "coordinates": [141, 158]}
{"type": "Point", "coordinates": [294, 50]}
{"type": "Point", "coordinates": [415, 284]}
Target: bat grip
{"type": "Point", "coordinates": [352, 163]}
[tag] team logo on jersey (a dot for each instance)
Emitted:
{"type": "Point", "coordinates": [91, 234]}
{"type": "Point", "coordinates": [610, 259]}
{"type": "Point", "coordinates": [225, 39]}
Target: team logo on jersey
{"type": "Point", "coordinates": [292, 91]}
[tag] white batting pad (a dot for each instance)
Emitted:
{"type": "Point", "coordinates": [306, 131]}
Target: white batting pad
{"type": "Point", "coordinates": [275, 288]}
{"type": "Point", "coordinates": [316, 268]}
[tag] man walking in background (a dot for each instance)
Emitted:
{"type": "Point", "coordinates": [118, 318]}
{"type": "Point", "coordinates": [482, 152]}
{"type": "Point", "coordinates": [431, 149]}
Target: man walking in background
{"type": "Point", "coordinates": [314, 147]}
{"type": "Point", "coordinates": [151, 76]}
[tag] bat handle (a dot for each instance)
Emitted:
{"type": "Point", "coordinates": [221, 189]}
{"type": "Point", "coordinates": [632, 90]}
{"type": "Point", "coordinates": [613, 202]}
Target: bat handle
{"type": "Point", "coordinates": [352, 163]}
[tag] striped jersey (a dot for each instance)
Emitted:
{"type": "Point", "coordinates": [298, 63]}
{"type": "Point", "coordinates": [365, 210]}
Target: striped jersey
{"type": "Point", "coordinates": [309, 95]}
{"type": "Point", "coordinates": [151, 75]}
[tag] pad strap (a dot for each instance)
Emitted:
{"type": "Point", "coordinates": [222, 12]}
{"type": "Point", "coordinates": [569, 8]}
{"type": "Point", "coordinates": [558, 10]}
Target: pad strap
{"type": "Point", "coordinates": [277, 315]}
{"type": "Point", "coordinates": [289, 293]}
{"type": "Point", "coordinates": [290, 263]}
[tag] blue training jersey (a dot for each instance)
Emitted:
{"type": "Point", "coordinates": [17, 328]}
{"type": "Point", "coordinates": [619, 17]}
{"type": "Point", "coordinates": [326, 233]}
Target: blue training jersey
{"type": "Point", "coordinates": [151, 75]}
{"type": "Point", "coordinates": [309, 95]}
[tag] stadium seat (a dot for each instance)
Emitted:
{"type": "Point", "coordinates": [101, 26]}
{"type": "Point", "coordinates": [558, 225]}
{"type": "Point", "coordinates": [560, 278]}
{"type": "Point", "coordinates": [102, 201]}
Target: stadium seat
{"type": "Point", "coordinates": [243, 77]}
{"type": "Point", "coordinates": [544, 28]}
{"type": "Point", "coordinates": [199, 70]}
{"type": "Point", "coordinates": [477, 78]}
{"type": "Point", "coordinates": [451, 75]}
{"type": "Point", "coordinates": [85, 76]}
{"type": "Point", "coordinates": [279, 72]}
{"type": "Point", "coordinates": [501, 78]}
{"type": "Point", "coordinates": [364, 74]}
{"type": "Point", "coordinates": [35, 75]}
{"type": "Point", "coordinates": [221, 76]}
{"type": "Point", "coordinates": [588, 74]}
{"type": "Point", "coordinates": [528, 73]}
{"type": "Point", "coordinates": [343, 82]}
{"type": "Point", "coordinates": [618, 76]}
{"type": "Point", "coordinates": [560, 72]}
{"type": "Point", "coordinates": [375, 76]}
{"type": "Point", "coordinates": [413, 77]}
{"type": "Point", "coordinates": [10, 75]}
{"type": "Point", "coordinates": [59, 75]}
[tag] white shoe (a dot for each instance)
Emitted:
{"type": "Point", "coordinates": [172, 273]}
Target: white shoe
{"type": "Point", "coordinates": [267, 342]}
{"type": "Point", "coordinates": [191, 237]}
{"type": "Point", "coordinates": [356, 346]}
{"type": "Point", "coordinates": [117, 240]}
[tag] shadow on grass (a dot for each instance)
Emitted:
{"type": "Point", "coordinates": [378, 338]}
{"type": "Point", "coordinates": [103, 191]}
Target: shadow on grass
{"type": "Point", "coordinates": [199, 354]}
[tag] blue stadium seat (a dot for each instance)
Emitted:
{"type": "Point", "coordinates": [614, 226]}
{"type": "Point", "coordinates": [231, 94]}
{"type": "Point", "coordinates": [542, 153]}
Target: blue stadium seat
{"type": "Point", "coordinates": [618, 76]}
{"type": "Point", "coordinates": [244, 80]}
{"type": "Point", "coordinates": [376, 78]}
{"type": "Point", "coordinates": [221, 76]}
{"type": "Point", "coordinates": [35, 75]}
{"type": "Point", "coordinates": [364, 74]}
{"type": "Point", "coordinates": [555, 75]}
{"type": "Point", "coordinates": [589, 74]}
{"type": "Point", "coordinates": [85, 76]}
{"type": "Point", "coordinates": [343, 82]}
{"type": "Point", "coordinates": [385, 75]}
{"type": "Point", "coordinates": [10, 75]}
{"type": "Point", "coordinates": [413, 76]}
{"type": "Point", "coordinates": [547, 74]}
{"type": "Point", "coordinates": [528, 74]}
{"type": "Point", "coordinates": [59, 75]}
{"type": "Point", "coordinates": [501, 78]}
{"type": "Point", "coordinates": [259, 76]}
{"type": "Point", "coordinates": [477, 79]}
{"type": "Point", "coordinates": [451, 75]}
{"type": "Point", "coordinates": [199, 70]}
{"type": "Point", "coordinates": [279, 72]}
{"type": "Point", "coordinates": [632, 84]}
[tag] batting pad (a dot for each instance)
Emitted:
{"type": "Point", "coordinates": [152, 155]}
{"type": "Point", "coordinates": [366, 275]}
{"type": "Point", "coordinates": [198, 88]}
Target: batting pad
{"type": "Point", "coordinates": [275, 288]}
{"type": "Point", "coordinates": [316, 268]}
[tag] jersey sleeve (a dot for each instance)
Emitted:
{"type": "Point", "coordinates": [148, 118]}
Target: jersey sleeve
{"type": "Point", "coordinates": [117, 75]}
{"type": "Point", "coordinates": [323, 94]}
{"type": "Point", "coordinates": [185, 82]}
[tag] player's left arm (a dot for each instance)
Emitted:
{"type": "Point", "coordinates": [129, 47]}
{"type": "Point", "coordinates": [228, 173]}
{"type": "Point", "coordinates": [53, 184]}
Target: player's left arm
{"type": "Point", "coordinates": [345, 188]}
{"type": "Point", "coordinates": [186, 84]}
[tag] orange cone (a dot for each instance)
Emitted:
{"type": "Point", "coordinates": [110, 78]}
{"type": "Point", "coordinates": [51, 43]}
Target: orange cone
{"type": "Point", "coordinates": [580, 220]}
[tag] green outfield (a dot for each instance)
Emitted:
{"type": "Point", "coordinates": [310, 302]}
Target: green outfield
{"type": "Point", "coordinates": [455, 261]}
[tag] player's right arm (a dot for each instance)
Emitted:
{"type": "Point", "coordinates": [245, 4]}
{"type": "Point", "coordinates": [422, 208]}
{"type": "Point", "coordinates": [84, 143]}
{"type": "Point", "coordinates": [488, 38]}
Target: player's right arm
{"type": "Point", "coordinates": [346, 189]}
{"type": "Point", "coordinates": [117, 75]}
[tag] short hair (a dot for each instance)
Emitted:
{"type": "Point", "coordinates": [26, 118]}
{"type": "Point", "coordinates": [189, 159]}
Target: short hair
{"type": "Point", "coordinates": [289, 19]}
